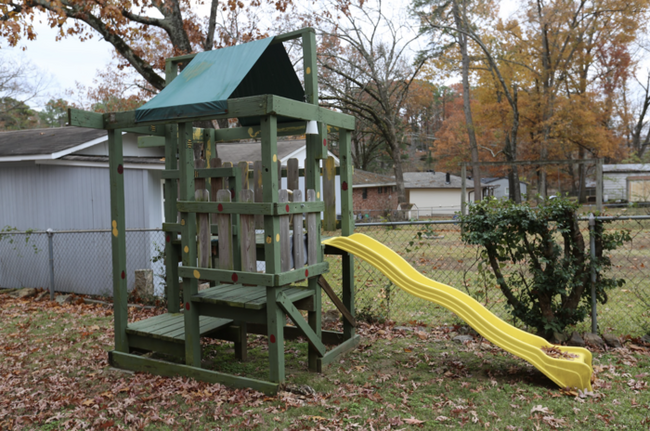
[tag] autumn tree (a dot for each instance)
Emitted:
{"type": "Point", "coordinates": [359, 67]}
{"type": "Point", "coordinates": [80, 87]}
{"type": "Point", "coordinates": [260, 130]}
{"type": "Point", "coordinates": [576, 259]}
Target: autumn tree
{"type": "Point", "coordinates": [145, 33]}
{"type": "Point", "coordinates": [366, 70]}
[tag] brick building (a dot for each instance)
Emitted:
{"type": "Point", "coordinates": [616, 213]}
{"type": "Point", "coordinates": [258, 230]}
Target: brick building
{"type": "Point", "coordinates": [373, 195]}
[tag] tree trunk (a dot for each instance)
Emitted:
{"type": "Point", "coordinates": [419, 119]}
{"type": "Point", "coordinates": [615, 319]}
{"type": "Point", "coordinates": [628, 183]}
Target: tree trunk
{"type": "Point", "coordinates": [462, 43]}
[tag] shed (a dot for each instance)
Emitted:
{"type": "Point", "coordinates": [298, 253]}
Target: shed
{"type": "Point", "coordinates": [434, 193]}
{"type": "Point", "coordinates": [501, 186]}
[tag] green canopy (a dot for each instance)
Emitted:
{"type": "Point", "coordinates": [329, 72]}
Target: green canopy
{"type": "Point", "coordinates": [212, 77]}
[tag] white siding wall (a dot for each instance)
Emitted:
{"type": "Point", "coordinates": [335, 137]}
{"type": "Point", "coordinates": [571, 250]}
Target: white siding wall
{"type": "Point", "coordinates": [72, 198]}
{"type": "Point", "coordinates": [437, 201]}
{"type": "Point", "coordinates": [615, 186]}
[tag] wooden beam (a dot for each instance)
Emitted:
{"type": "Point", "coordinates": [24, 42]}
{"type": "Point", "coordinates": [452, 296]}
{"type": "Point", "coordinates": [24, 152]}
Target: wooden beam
{"type": "Point", "coordinates": [336, 301]}
{"type": "Point", "coordinates": [118, 239]}
{"type": "Point", "coordinates": [151, 141]}
{"type": "Point", "coordinates": [81, 118]}
{"type": "Point", "coordinates": [168, 369]}
{"type": "Point", "coordinates": [338, 351]}
{"type": "Point", "coordinates": [295, 316]}
{"type": "Point", "coordinates": [255, 208]}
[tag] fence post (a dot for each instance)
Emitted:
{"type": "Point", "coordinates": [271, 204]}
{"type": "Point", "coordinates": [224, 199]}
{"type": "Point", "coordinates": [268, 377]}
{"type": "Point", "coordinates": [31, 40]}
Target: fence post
{"type": "Point", "coordinates": [50, 248]}
{"type": "Point", "coordinates": [592, 250]}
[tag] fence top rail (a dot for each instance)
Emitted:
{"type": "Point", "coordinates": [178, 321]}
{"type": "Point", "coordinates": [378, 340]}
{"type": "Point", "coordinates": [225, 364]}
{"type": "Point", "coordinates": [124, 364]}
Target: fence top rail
{"type": "Point", "coordinates": [36, 232]}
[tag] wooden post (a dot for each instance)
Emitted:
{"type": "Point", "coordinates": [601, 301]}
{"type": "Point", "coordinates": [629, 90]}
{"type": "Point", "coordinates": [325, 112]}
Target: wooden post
{"type": "Point", "coordinates": [247, 225]}
{"type": "Point", "coordinates": [171, 216]}
{"type": "Point", "coordinates": [224, 226]}
{"type": "Point", "coordinates": [118, 239]}
{"type": "Point", "coordinates": [463, 189]}
{"type": "Point", "coordinates": [329, 195]}
{"type": "Point", "coordinates": [298, 237]}
{"type": "Point", "coordinates": [285, 243]}
{"type": "Point", "coordinates": [314, 256]}
{"type": "Point", "coordinates": [275, 315]}
{"type": "Point", "coordinates": [216, 185]}
{"type": "Point", "coordinates": [203, 234]}
{"type": "Point", "coordinates": [599, 186]}
{"type": "Point", "coordinates": [257, 190]}
{"type": "Point", "coordinates": [347, 228]}
{"type": "Point", "coordinates": [188, 245]}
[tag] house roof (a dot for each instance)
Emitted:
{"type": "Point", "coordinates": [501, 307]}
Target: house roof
{"type": "Point", "coordinates": [213, 77]}
{"type": "Point", "coordinates": [52, 143]}
{"type": "Point", "coordinates": [625, 168]}
{"type": "Point", "coordinates": [433, 180]}
{"type": "Point", "coordinates": [370, 179]}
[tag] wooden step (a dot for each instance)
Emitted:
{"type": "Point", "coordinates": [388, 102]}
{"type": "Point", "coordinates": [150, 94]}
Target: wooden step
{"type": "Point", "coordinates": [171, 326]}
{"type": "Point", "coordinates": [250, 297]}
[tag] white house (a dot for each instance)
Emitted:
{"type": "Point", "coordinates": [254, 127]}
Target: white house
{"type": "Point", "coordinates": [626, 182]}
{"type": "Point", "coordinates": [436, 192]}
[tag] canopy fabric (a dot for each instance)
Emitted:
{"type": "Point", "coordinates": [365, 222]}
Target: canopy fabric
{"type": "Point", "coordinates": [212, 77]}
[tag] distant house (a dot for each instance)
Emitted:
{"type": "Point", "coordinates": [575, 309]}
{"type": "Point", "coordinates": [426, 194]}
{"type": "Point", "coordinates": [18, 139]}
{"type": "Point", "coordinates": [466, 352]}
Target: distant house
{"type": "Point", "coordinates": [501, 187]}
{"type": "Point", "coordinates": [436, 192]}
{"type": "Point", "coordinates": [626, 182]}
{"type": "Point", "coordinates": [373, 195]}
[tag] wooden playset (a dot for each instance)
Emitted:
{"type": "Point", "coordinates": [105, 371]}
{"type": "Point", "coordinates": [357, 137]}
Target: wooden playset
{"type": "Point", "coordinates": [218, 229]}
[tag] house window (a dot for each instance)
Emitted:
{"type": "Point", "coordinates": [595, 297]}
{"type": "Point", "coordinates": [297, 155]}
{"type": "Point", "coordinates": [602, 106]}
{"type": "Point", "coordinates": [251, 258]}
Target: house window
{"type": "Point", "coordinates": [380, 190]}
{"type": "Point", "coordinates": [365, 194]}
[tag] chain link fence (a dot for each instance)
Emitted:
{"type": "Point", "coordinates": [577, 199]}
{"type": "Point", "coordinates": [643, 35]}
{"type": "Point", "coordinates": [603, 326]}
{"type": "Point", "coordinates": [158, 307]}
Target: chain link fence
{"type": "Point", "coordinates": [435, 249]}
{"type": "Point", "coordinates": [81, 263]}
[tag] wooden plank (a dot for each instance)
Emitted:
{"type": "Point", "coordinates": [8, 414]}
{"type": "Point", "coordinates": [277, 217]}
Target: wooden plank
{"type": "Point", "coordinates": [294, 276]}
{"type": "Point", "coordinates": [313, 232]}
{"type": "Point", "coordinates": [285, 236]}
{"type": "Point", "coordinates": [257, 190]}
{"type": "Point", "coordinates": [322, 282]}
{"type": "Point", "coordinates": [243, 168]}
{"type": "Point", "coordinates": [206, 324]}
{"type": "Point", "coordinates": [226, 180]}
{"type": "Point", "coordinates": [170, 174]}
{"type": "Point", "coordinates": [227, 276]}
{"type": "Point", "coordinates": [216, 291]}
{"type": "Point", "coordinates": [204, 237]}
{"type": "Point", "coordinates": [310, 67]}
{"type": "Point", "coordinates": [225, 233]}
{"type": "Point", "coordinates": [298, 236]}
{"type": "Point", "coordinates": [247, 235]}
{"type": "Point", "coordinates": [329, 195]}
{"type": "Point", "coordinates": [148, 325]}
{"type": "Point", "coordinates": [264, 208]}
{"type": "Point", "coordinates": [216, 184]}
{"type": "Point", "coordinates": [151, 141]}
{"type": "Point", "coordinates": [295, 316]}
{"type": "Point", "coordinates": [118, 239]}
{"type": "Point", "coordinates": [168, 369]}
{"type": "Point", "coordinates": [293, 174]}
{"type": "Point", "coordinates": [224, 171]}
{"type": "Point", "coordinates": [81, 118]}
{"type": "Point", "coordinates": [334, 354]}
{"type": "Point", "coordinates": [170, 347]}
{"type": "Point", "coordinates": [270, 191]}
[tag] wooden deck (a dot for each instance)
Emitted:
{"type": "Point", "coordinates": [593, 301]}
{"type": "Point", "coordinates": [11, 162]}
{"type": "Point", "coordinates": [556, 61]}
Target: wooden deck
{"type": "Point", "coordinates": [171, 327]}
{"type": "Point", "coordinates": [249, 297]}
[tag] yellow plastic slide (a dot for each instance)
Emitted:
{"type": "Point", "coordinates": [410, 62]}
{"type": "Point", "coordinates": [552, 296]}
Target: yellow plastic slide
{"type": "Point", "coordinates": [573, 370]}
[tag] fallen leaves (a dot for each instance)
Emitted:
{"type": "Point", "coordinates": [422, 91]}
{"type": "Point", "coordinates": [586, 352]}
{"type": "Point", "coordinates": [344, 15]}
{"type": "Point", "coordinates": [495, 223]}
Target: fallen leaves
{"type": "Point", "coordinates": [556, 352]}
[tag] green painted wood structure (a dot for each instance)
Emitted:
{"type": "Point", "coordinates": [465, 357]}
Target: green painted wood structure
{"type": "Point", "coordinates": [240, 300]}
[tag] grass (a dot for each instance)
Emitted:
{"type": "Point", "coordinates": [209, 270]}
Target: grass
{"type": "Point", "coordinates": [54, 375]}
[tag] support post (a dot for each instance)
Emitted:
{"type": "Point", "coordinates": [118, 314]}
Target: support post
{"type": "Point", "coordinates": [50, 249]}
{"type": "Point", "coordinates": [118, 239]}
{"type": "Point", "coordinates": [171, 216]}
{"type": "Point", "coordinates": [592, 250]}
{"type": "Point", "coordinates": [347, 229]}
{"type": "Point", "coordinates": [188, 245]}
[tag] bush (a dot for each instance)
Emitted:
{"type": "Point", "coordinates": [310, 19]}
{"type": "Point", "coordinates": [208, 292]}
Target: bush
{"type": "Point", "coordinates": [551, 287]}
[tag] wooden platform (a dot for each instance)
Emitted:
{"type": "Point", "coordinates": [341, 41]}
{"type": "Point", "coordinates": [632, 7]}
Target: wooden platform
{"type": "Point", "coordinates": [166, 333]}
{"type": "Point", "coordinates": [249, 297]}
